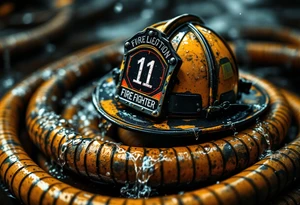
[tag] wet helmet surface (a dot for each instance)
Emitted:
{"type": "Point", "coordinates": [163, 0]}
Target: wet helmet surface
{"type": "Point", "coordinates": [208, 74]}
{"type": "Point", "coordinates": [177, 77]}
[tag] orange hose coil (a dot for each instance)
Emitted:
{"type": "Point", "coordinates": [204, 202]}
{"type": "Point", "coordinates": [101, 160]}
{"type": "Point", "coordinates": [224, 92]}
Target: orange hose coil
{"type": "Point", "coordinates": [32, 185]}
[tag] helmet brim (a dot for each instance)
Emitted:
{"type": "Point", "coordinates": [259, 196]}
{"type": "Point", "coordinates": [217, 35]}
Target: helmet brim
{"type": "Point", "coordinates": [125, 117]}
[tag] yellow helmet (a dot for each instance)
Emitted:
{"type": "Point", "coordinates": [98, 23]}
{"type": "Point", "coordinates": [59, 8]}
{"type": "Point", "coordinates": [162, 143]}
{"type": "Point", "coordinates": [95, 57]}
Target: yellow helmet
{"type": "Point", "coordinates": [208, 75]}
{"type": "Point", "coordinates": [174, 75]}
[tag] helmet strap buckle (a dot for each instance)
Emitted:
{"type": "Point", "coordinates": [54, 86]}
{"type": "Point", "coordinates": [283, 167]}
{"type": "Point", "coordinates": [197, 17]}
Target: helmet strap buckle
{"type": "Point", "coordinates": [225, 108]}
{"type": "Point", "coordinates": [217, 109]}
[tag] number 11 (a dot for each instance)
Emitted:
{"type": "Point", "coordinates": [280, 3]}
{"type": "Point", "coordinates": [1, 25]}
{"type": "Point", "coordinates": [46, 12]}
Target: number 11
{"type": "Point", "coordinates": [141, 61]}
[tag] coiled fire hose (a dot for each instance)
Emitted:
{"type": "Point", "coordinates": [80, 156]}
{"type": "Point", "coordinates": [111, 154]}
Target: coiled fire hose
{"type": "Point", "coordinates": [99, 159]}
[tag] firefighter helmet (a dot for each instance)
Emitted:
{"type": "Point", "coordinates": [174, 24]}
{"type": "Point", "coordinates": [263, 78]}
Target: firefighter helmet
{"type": "Point", "coordinates": [176, 76]}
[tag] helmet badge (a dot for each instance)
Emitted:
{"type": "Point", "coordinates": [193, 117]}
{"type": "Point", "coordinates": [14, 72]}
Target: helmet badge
{"type": "Point", "coordinates": [150, 61]}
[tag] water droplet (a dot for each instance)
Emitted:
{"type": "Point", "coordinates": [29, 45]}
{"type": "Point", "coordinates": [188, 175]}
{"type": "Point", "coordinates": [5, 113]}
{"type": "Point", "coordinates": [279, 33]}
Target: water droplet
{"type": "Point", "coordinates": [63, 149]}
{"type": "Point", "coordinates": [207, 148]}
{"type": "Point", "coordinates": [76, 141]}
{"type": "Point", "coordinates": [50, 48]}
{"type": "Point", "coordinates": [61, 72]}
{"type": "Point", "coordinates": [118, 7]}
{"type": "Point", "coordinates": [147, 13]}
{"type": "Point", "coordinates": [196, 134]}
{"type": "Point", "coordinates": [27, 18]}
{"type": "Point", "coordinates": [54, 98]}
{"type": "Point", "coordinates": [8, 82]}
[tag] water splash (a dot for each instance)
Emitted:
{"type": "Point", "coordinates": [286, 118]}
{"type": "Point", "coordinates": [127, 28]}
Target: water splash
{"type": "Point", "coordinates": [265, 154]}
{"type": "Point", "coordinates": [50, 121]}
{"type": "Point", "coordinates": [232, 126]}
{"type": "Point", "coordinates": [72, 139]}
{"type": "Point", "coordinates": [260, 128]}
{"type": "Point", "coordinates": [140, 187]}
{"type": "Point", "coordinates": [55, 170]}
{"type": "Point", "coordinates": [196, 134]}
